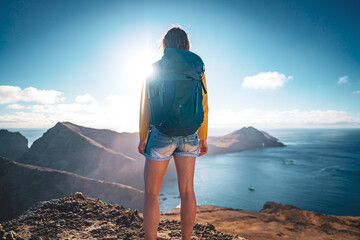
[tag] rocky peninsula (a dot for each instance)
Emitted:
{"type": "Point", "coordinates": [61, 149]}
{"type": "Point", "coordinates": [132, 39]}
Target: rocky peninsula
{"type": "Point", "coordinates": [243, 139]}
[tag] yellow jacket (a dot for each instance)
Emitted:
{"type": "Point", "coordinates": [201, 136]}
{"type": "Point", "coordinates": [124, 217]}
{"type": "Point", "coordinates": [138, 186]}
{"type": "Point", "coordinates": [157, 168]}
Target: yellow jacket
{"type": "Point", "coordinates": [145, 113]}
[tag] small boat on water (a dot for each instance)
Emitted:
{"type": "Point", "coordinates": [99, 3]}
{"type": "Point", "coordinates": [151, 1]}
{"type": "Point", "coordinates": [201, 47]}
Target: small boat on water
{"type": "Point", "coordinates": [251, 188]}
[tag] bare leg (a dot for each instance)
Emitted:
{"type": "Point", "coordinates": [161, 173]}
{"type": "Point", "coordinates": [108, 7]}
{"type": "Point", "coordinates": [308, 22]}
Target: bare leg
{"type": "Point", "coordinates": [154, 172]}
{"type": "Point", "coordinates": [185, 167]}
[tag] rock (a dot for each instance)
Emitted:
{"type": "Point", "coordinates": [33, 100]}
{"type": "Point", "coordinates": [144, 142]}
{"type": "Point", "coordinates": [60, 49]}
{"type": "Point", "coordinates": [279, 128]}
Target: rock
{"type": "Point", "coordinates": [11, 235]}
{"type": "Point", "coordinates": [79, 195]}
{"type": "Point", "coordinates": [65, 224]}
{"type": "Point", "coordinates": [12, 144]}
{"type": "Point", "coordinates": [2, 232]}
{"type": "Point", "coordinates": [272, 222]}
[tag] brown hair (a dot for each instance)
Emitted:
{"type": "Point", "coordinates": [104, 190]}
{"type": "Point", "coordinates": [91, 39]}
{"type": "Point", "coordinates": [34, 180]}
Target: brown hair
{"type": "Point", "coordinates": [176, 37]}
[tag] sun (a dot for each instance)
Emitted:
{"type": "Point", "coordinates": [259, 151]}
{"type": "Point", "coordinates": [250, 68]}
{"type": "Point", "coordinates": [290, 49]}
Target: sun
{"type": "Point", "coordinates": [138, 68]}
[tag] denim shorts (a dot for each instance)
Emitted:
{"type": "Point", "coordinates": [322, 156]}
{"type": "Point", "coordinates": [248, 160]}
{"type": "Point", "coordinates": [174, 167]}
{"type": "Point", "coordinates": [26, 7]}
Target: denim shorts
{"type": "Point", "coordinates": [161, 147]}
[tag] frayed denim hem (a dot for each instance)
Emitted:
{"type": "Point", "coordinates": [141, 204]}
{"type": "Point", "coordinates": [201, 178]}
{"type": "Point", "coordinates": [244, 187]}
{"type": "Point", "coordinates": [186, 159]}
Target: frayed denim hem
{"type": "Point", "coordinates": [156, 159]}
{"type": "Point", "coordinates": [186, 154]}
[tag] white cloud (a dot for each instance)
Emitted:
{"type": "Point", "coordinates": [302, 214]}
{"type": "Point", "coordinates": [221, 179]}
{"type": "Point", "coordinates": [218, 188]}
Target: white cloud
{"type": "Point", "coordinates": [343, 79]}
{"type": "Point", "coordinates": [15, 106]}
{"type": "Point", "coordinates": [356, 92]}
{"type": "Point", "coordinates": [13, 94]}
{"type": "Point", "coordinates": [271, 80]}
{"type": "Point", "coordinates": [86, 98]}
{"type": "Point", "coordinates": [119, 113]}
{"type": "Point", "coordinates": [275, 118]}
{"type": "Point", "coordinates": [122, 114]}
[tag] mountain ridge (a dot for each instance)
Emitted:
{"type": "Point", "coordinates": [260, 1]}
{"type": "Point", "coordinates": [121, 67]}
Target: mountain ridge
{"type": "Point", "coordinates": [65, 147]}
{"type": "Point", "coordinates": [12, 144]}
{"type": "Point", "coordinates": [21, 185]}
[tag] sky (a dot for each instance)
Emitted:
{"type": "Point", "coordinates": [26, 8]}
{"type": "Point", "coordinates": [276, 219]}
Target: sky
{"type": "Point", "coordinates": [268, 64]}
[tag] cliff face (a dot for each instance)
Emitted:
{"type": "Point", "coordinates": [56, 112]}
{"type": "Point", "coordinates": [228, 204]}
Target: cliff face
{"type": "Point", "coordinates": [12, 144]}
{"type": "Point", "coordinates": [79, 217]}
{"type": "Point", "coordinates": [21, 185]}
{"type": "Point", "coordinates": [240, 140]}
{"type": "Point", "coordinates": [87, 152]}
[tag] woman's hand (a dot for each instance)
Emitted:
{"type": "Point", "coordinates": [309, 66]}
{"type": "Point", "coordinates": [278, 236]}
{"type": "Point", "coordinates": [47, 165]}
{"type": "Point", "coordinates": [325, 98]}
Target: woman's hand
{"type": "Point", "coordinates": [141, 146]}
{"type": "Point", "coordinates": [203, 147]}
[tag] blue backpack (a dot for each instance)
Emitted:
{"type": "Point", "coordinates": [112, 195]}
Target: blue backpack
{"type": "Point", "coordinates": [175, 93]}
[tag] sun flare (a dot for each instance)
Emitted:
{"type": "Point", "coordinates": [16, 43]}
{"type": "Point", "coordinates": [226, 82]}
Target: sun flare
{"type": "Point", "coordinates": [138, 68]}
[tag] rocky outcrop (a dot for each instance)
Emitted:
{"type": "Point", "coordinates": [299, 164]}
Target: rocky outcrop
{"type": "Point", "coordinates": [88, 152]}
{"type": "Point", "coordinates": [275, 222]}
{"type": "Point", "coordinates": [12, 144]}
{"type": "Point", "coordinates": [79, 217]}
{"type": "Point", "coordinates": [243, 139]}
{"type": "Point", "coordinates": [22, 185]}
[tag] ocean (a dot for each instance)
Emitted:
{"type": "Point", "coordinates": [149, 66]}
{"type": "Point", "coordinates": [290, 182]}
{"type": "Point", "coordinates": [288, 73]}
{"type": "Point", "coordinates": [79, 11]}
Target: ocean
{"type": "Point", "coordinates": [318, 170]}
{"type": "Point", "coordinates": [32, 134]}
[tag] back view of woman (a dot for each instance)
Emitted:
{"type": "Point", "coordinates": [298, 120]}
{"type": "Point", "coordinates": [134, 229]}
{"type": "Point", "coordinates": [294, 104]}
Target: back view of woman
{"type": "Point", "coordinates": [173, 123]}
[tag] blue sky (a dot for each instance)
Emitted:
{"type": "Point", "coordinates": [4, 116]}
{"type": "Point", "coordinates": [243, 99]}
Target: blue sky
{"type": "Point", "coordinates": [269, 64]}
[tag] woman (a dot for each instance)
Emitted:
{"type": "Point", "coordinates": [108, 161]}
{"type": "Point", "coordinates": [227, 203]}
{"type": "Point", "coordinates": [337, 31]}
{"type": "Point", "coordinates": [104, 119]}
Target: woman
{"type": "Point", "coordinates": [184, 149]}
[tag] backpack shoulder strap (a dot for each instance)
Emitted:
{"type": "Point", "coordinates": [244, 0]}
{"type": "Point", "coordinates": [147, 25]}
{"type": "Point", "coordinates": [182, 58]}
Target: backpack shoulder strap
{"type": "Point", "coordinates": [202, 84]}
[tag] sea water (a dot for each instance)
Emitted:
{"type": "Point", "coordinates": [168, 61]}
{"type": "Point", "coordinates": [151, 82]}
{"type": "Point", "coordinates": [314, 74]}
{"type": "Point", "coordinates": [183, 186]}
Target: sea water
{"type": "Point", "coordinates": [318, 170]}
{"type": "Point", "coordinates": [31, 134]}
